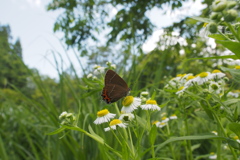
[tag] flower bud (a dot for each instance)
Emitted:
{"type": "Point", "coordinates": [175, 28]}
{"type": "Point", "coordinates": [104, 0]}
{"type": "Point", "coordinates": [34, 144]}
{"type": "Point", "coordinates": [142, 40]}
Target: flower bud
{"type": "Point", "coordinates": [231, 4]}
{"type": "Point", "coordinates": [215, 16]}
{"type": "Point", "coordinates": [212, 27]}
{"type": "Point", "coordinates": [219, 5]}
{"type": "Point", "coordinates": [230, 15]}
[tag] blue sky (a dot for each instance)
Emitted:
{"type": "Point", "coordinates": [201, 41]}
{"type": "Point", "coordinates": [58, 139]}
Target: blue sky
{"type": "Point", "coordinates": [33, 25]}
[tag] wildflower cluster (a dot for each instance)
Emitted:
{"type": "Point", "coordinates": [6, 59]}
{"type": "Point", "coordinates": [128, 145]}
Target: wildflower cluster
{"type": "Point", "coordinates": [223, 10]}
{"type": "Point", "coordinates": [67, 118]}
{"type": "Point", "coordinates": [130, 105]}
{"type": "Point", "coordinates": [164, 120]}
{"type": "Point", "coordinates": [98, 70]}
{"type": "Point", "coordinates": [212, 82]}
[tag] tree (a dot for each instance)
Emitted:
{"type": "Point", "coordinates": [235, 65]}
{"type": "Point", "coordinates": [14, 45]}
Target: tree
{"type": "Point", "coordinates": [82, 21]}
{"type": "Point", "coordinates": [12, 69]}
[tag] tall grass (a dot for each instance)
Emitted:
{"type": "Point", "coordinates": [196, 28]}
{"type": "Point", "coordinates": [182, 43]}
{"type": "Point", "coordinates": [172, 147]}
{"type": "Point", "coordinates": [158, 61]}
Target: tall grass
{"type": "Point", "coordinates": [30, 127]}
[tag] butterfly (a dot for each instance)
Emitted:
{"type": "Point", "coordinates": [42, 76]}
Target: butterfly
{"type": "Point", "coordinates": [115, 87]}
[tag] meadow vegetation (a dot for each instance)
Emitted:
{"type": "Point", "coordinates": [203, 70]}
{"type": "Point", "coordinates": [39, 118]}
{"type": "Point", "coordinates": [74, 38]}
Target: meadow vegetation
{"type": "Point", "coordinates": [183, 104]}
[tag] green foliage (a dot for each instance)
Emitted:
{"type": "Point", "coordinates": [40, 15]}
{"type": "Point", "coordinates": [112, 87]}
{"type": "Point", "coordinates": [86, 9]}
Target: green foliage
{"type": "Point", "coordinates": [13, 71]}
{"type": "Point", "coordinates": [130, 24]}
{"type": "Point", "coordinates": [31, 127]}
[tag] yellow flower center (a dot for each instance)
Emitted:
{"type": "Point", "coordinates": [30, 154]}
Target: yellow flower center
{"type": "Point", "coordinates": [162, 123]}
{"type": "Point", "coordinates": [102, 113]}
{"type": "Point", "coordinates": [203, 74]}
{"type": "Point", "coordinates": [96, 67]}
{"type": "Point", "coordinates": [115, 122]}
{"type": "Point", "coordinates": [216, 71]}
{"type": "Point", "coordinates": [155, 122]}
{"type": "Point", "coordinates": [205, 24]}
{"type": "Point", "coordinates": [127, 101]}
{"type": "Point", "coordinates": [237, 67]}
{"type": "Point", "coordinates": [181, 88]}
{"type": "Point", "coordinates": [151, 102]}
{"type": "Point", "coordinates": [212, 153]}
{"type": "Point", "coordinates": [163, 118]}
{"type": "Point", "coordinates": [235, 137]}
{"type": "Point", "coordinates": [190, 77]}
{"type": "Point", "coordinates": [181, 75]}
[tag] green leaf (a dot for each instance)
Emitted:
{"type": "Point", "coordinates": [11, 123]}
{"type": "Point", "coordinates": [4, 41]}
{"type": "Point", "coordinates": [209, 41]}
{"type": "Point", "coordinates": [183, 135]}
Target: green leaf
{"type": "Point", "coordinates": [235, 127]}
{"type": "Point", "coordinates": [153, 134]}
{"type": "Point", "coordinates": [233, 143]}
{"type": "Point", "coordinates": [234, 72]}
{"type": "Point", "coordinates": [217, 36]}
{"type": "Point", "coordinates": [201, 19]}
{"type": "Point", "coordinates": [231, 101]}
{"type": "Point", "coordinates": [142, 122]}
{"type": "Point", "coordinates": [217, 57]}
{"type": "Point", "coordinates": [57, 131]}
{"type": "Point", "coordinates": [196, 137]}
{"type": "Point", "coordinates": [97, 137]}
{"type": "Point", "coordinates": [232, 46]}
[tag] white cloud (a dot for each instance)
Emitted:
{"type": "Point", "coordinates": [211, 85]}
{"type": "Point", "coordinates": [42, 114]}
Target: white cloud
{"type": "Point", "coordinates": [34, 3]}
{"type": "Point", "coordinates": [150, 44]}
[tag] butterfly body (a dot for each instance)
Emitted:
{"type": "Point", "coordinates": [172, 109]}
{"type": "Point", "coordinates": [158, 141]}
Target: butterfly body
{"type": "Point", "coordinates": [115, 87]}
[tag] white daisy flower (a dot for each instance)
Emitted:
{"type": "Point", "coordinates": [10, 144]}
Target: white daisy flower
{"type": "Point", "coordinates": [212, 156]}
{"type": "Point", "coordinates": [63, 115]}
{"type": "Point", "coordinates": [214, 87]}
{"type": "Point", "coordinates": [204, 31]}
{"type": "Point", "coordinates": [181, 90]}
{"type": "Point", "coordinates": [218, 74]}
{"type": "Point", "coordinates": [113, 66]}
{"type": "Point", "coordinates": [67, 118]}
{"type": "Point", "coordinates": [98, 70]}
{"type": "Point", "coordinates": [130, 103]}
{"type": "Point", "coordinates": [161, 124]}
{"type": "Point", "coordinates": [236, 138]}
{"type": "Point", "coordinates": [114, 123]}
{"type": "Point", "coordinates": [191, 80]}
{"type": "Point", "coordinates": [233, 62]}
{"type": "Point", "coordinates": [203, 78]}
{"type": "Point", "coordinates": [173, 83]}
{"type": "Point", "coordinates": [214, 132]}
{"type": "Point", "coordinates": [104, 116]}
{"type": "Point", "coordinates": [155, 123]}
{"type": "Point", "coordinates": [237, 67]}
{"type": "Point", "coordinates": [127, 117]}
{"type": "Point", "coordinates": [90, 75]}
{"type": "Point", "coordinates": [150, 105]}
{"type": "Point", "coordinates": [173, 116]}
{"type": "Point", "coordinates": [144, 94]}
{"type": "Point", "coordinates": [163, 114]}
{"type": "Point", "coordinates": [235, 95]}
{"type": "Point", "coordinates": [185, 78]}
{"type": "Point", "coordinates": [165, 119]}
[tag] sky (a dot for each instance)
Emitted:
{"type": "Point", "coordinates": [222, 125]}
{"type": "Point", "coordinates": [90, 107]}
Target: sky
{"type": "Point", "coordinates": [33, 25]}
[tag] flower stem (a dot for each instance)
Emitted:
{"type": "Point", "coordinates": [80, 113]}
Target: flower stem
{"type": "Point", "coordinates": [219, 143]}
{"type": "Point", "coordinates": [117, 109]}
{"type": "Point", "coordinates": [189, 151]}
{"type": "Point", "coordinates": [170, 145]}
{"type": "Point", "coordinates": [233, 31]}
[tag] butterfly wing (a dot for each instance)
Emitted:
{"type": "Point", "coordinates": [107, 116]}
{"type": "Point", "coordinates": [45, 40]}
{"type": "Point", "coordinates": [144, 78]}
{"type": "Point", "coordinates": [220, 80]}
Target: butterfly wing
{"type": "Point", "coordinates": [115, 87]}
{"type": "Point", "coordinates": [113, 92]}
{"type": "Point", "coordinates": [112, 77]}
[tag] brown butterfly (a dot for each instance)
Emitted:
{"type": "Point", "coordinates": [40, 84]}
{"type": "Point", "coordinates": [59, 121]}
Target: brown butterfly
{"type": "Point", "coordinates": [115, 87]}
